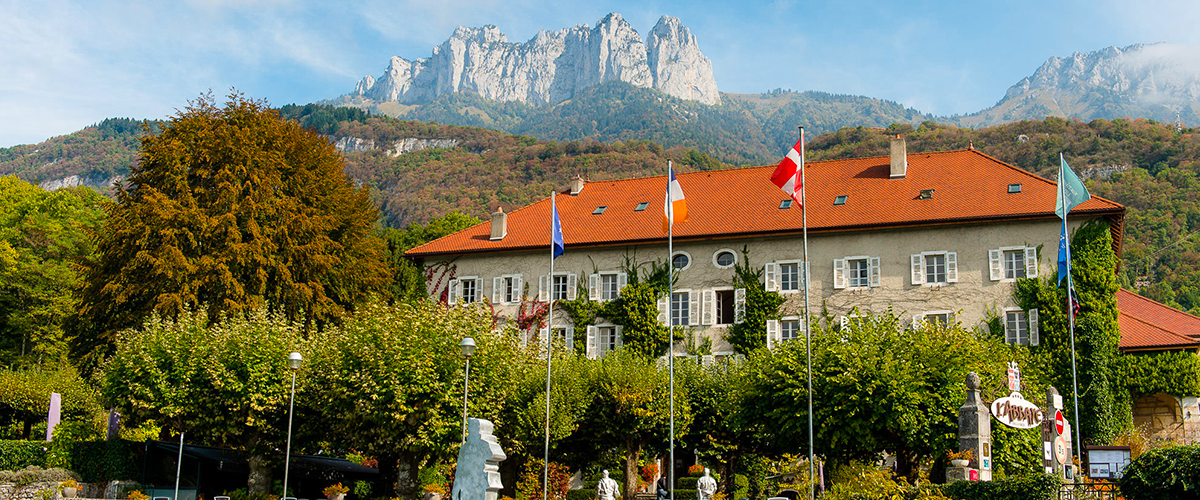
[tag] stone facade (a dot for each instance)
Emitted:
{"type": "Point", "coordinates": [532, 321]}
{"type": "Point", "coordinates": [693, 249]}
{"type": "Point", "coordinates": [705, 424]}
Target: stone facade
{"type": "Point", "coordinates": [1168, 419]}
{"type": "Point", "coordinates": [969, 299]}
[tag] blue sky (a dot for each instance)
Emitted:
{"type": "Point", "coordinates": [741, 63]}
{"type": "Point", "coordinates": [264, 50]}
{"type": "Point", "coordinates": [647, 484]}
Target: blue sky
{"type": "Point", "coordinates": [67, 64]}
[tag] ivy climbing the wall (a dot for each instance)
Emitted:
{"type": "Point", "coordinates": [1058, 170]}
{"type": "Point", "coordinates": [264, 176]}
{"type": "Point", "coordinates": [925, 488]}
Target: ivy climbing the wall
{"type": "Point", "coordinates": [761, 306]}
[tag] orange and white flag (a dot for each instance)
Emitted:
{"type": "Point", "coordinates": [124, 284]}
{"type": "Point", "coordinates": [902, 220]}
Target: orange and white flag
{"type": "Point", "coordinates": [674, 204]}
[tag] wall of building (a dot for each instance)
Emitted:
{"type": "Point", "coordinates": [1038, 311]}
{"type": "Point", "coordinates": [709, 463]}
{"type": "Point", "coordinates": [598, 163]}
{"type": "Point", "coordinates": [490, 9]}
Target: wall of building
{"type": "Point", "coordinates": [971, 298]}
{"type": "Point", "coordinates": [1168, 419]}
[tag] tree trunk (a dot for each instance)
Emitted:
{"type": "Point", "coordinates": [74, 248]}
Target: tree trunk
{"type": "Point", "coordinates": [633, 452]}
{"type": "Point", "coordinates": [907, 465]}
{"type": "Point", "coordinates": [728, 471]}
{"type": "Point", "coordinates": [406, 479]}
{"type": "Point", "coordinates": [28, 429]}
{"type": "Point", "coordinates": [385, 484]}
{"type": "Point", "coordinates": [259, 481]}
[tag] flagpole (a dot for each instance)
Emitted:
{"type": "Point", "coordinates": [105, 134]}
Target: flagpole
{"type": "Point", "coordinates": [549, 332]}
{"type": "Point", "coordinates": [1070, 305]}
{"type": "Point", "coordinates": [670, 320]}
{"type": "Point", "coordinates": [807, 325]}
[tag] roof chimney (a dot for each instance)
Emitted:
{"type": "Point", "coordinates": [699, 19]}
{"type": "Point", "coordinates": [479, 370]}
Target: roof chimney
{"type": "Point", "coordinates": [499, 224]}
{"type": "Point", "coordinates": [899, 158]}
{"type": "Point", "coordinates": [576, 185]}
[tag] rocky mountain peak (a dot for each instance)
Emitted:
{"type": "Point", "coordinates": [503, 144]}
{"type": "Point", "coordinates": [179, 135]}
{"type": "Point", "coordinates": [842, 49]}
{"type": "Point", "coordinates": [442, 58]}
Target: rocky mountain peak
{"type": "Point", "coordinates": [552, 66]}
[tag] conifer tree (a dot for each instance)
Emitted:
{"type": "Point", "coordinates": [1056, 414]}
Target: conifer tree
{"type": "Point", "coordinates": [227, 210]}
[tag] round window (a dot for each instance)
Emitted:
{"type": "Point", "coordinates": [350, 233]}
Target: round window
{"type": "Point", "coordinates": [680, 261]}
{"type": "Point", "coordinates": [725, 259]}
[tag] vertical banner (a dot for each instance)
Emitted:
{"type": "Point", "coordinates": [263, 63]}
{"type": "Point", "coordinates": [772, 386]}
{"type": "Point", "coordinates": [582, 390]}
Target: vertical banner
{"type": "Point", "coordinates": [52, 419]}
{"type": "Point", "coordinates": [114, 425]}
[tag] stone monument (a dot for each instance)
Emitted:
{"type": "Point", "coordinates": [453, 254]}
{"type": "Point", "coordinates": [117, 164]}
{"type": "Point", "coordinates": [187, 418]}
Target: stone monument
{"type": "Point", "coordinates": [607, 488]}
{"type": "Point", "coordinates": [478, 474]}
{"type": "Point", "coordinates": [705, 486]}
{"type": "Point", "coordinates": [975, 434]}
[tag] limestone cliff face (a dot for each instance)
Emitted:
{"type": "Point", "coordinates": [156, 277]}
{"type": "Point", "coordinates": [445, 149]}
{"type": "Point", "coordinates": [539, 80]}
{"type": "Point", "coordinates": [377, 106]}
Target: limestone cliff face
{"type": "Point", "coordinates": [552, 66]}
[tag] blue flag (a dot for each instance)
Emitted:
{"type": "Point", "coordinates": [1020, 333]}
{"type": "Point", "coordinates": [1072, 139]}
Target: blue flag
{"type": "Point", "coordinates": [556, 230]}
{"type": "Point", "coordinates": [1064, 259]}
{"type": "Point", "coordinates": [1071, 190]}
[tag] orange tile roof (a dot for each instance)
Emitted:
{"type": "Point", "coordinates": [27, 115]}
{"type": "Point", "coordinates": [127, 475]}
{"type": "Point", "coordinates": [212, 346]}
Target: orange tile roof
{"type": "Point", "coordinates": [968, 186]}
{"type": "Point", "coordinates": [1146, 324]}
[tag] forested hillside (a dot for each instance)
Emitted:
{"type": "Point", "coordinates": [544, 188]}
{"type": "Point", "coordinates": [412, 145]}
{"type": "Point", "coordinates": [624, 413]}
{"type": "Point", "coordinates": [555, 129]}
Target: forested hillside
{"type": "Point", "coordinates": [98, 152]}
{"type": "Point", "coordinates": [1151, 168]}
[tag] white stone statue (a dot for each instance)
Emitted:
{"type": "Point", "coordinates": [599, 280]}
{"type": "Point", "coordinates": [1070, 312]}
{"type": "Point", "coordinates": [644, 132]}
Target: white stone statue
{"type": "Point", "coordinates": [607, 489]}
{"type": "Point", "coordinates": [705, 486]}
{"type": "Point", "coordinates": [478, 474]}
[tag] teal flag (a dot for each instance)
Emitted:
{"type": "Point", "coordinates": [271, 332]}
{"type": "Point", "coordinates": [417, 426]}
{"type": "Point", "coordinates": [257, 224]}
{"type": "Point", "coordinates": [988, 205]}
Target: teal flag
{"type": "Point", "coordinates": [1071, 190]}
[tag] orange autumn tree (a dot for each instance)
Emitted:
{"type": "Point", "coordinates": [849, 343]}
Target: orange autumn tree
{"type": "Point", "coordinates": [227, 210]}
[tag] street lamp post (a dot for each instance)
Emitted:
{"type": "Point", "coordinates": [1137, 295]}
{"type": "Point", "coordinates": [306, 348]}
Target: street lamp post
{"type": "Point", "coordinates": [468, 349]}
{"type": "Point", "coordinates": [294, 360]}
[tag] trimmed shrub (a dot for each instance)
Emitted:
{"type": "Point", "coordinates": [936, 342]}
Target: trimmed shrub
{"type": "Point", "coordinates": [16, 455]}
{"type": "Point", "coordinates": [35, 474]}
{"type": "Point", "coordinates": [581, 494]}
{"type": "Point", "coordinates": [687, 483]}
{"type": "Point", "coordinates": [741, 487]}
{"type": "Point", "coordinates": [1028, 487]}
{"type": "Point", "coordinates": [102, 461]}
{"type": "Point", "coordinates": [1166, 473]}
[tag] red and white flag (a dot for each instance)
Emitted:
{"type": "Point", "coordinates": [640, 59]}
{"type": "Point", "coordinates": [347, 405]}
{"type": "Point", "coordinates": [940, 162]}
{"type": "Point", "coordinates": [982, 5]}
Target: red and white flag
{"type": "Point", "coordinates": [787, 174]}
{"type": "Point", "coordinates": [674, 204]}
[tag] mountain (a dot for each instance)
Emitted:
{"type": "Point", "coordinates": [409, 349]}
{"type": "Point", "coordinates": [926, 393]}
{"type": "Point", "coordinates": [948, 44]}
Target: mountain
{"type": "Point", "coordinates": [1158, 81]}
{"type": "Point", "coordinates": [551, 67]}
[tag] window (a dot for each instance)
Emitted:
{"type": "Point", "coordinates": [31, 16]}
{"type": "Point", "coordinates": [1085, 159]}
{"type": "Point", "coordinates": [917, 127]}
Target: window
{"type": "Point", "coordinates": [785, 204]}
{"type": "Point", "coordinates": [938, 319]}
{"type": "Point", "coordinates": [507, 289]}
{"type": "Point", "coordinates": [600, 209]}
{"type": "Point", "coordinates": [681, 261]}
{"type": "Point", "coordinates": [840, 200]}
{"type": "Point", "coordinates": [789, 329]}
{"type": "Point", "coordinates": [680, 307]}
{"type": "Point", "coordinates": [724, 259]}
{"type": "Point", "coordinates": [859, 274]}
{"type": "Point", "coordinates": [1010, 263]}
{"type": "Point", "coordinates": [785, 276]}
{"type": "Point", "coordinates": [1021, 327]}
{"type": "Point", "coordinates": [607, 339]}
{"type": "Point", "coordinates": [1014, 264]}
{"type": "Point", "coordinates": [1014, 188]}
{"type": "Point", "coordinates": [925, 194]}
{"type": "Point", "coordinates": [602, 339]}
{"type": "Point", "coordinates": [935, 268]}
{"type": "Point", "coordinates": [641, 206]}
{"type": "Point", "coordinates": [560, 288]}
{"type": "Point", "coordinates": [468, 290]}
{"type": "Point", "coordinates": [726, 306]}
{"type": "Point", "coordinates": [608, 286]}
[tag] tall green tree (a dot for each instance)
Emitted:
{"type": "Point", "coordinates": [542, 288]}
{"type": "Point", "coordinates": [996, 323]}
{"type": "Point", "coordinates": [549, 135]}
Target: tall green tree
{"type": "Point", "coordinates": [43, 236]}
{"type": "Point", "coordinates": [25, 397]}
{"type": "Point", "coordinates": [227, 210]}
{"type": "Point", "coordinates": [224, 384]}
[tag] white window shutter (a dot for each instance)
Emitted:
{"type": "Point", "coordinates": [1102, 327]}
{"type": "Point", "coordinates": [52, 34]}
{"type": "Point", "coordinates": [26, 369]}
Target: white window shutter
{"type": "Point", "coordinates": [995, 257]}
{"type": "Point", "coordinates": [452, 293]}
{"type": "Point", "coordinates": [1031, 262]}
{"type": "Point", "coordinates": [663, 316]}
{"type": "Point", "coordinates": [1010, 335]}
{"type": "Point", "coordinates": [839, 274]}
{"type": "Point", "coordinates": [874, 271]}
{"type": "Point", "coordinates": [918, 320]}
{"type": "Point", "coordinates": [479, 289]}
{"type": "Point", "coordinates": [570, 340]}
{"type": "Point", "coordinates": [543, 290]}
{"type": "Point", "coordinates": [739, 305]}
{"type": "Point", "coordinates": [1034, 335]}
{"type": "Point", "coordinates": [593, 287]}
{"type": "Point", "coordinates": [518, 289]}
{"type": "Point", "coordinates": [592, 349]}
{"type": "Point", "coordinates": [622, 280]}
{"type": "Point", "coordinates": [709, 305]}
{"type": "Point", "coordinates": [951, 267]}
{"type": "Point", "coordinates": [620, 337]}
{"type": "Point", "coordinates": [497, 290]}
{"type": "Point", "coordinates": [950, 319]}
{"type": "Point", "coordinates": [771, 277]}
{"type": "Point", "coordinates": [772, 333]}
{"type": "Point", "coordinates": [708, 360]}
{"type": "Point", "coordinates": [918, 269]}
{"type": "Point", "coordinates": [845, 321]}
{"type": "Point", "coordinates": [544, 338]}
{"type": "Point", "coordinates": [693, 309]}
{"type": "Point", "coordinates": [572, 284]}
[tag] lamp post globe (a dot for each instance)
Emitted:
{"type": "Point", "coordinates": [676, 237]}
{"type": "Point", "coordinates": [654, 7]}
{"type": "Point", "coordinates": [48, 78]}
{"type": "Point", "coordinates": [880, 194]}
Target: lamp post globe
{"type": "Point", "coordinates": [468, 347]}
{"type": "Point", "coordinates": [293, 362]}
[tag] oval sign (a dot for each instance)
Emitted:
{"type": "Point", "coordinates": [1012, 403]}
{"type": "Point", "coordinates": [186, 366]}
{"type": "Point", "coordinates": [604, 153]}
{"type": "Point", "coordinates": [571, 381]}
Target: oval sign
{"type": "Point", "coordinates": [1017, 412]}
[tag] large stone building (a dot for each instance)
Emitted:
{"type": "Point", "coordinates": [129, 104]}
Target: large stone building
{"type": "Point", "coordinates": [932, 236]}
{"type": "Point", "coordinates": [1148, 327]}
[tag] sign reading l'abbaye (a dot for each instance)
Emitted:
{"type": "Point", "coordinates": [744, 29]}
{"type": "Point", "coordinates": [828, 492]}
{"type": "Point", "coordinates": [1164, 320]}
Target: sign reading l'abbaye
{"type": "Point", "coordinates": [1015, 411]}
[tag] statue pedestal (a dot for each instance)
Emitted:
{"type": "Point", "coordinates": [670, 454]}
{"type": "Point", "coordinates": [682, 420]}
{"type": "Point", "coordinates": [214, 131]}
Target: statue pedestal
{"type": "Point", "coordinates": [961, 474]}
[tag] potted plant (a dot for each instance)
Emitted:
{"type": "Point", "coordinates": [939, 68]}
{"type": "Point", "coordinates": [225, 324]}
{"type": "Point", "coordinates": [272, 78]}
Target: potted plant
{"type": "Point", "coordinates": [336, 492]}
{"type": "Point", "coordinates": [962, 458]}
{"type": "Point", "coordinates": [136, 495]}
{"type": "Point", "coordinates": [70, 488]}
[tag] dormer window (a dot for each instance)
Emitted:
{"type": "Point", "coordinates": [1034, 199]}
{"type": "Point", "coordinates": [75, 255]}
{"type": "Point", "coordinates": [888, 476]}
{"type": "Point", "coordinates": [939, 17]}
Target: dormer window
{"type": "Point", "coordinates": [1014, 188]}
{"type": "Point", "coordinates": [925, 194]}
{"type": "Point", "coordinates": [785, 204]}
{"type": "Point", "coordinates": [599, 210]}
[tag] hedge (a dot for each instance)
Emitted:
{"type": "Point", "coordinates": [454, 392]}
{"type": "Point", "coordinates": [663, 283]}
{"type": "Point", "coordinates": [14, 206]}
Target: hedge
{"type": "Point", "coordinates": [1175, 373]}
{"type": "Point", "coordinates": [17, 455]}
{"type": "Point", "coordinates": [687, 483]}
{"type": "Point", "coordinates": [581, 494]}
{"type": "Point", "coordinates": [1029, 487]}
{"type": "Point", "coordinates": [1166, 473]}
{"type": "Point", "coordinates": [103, 461]}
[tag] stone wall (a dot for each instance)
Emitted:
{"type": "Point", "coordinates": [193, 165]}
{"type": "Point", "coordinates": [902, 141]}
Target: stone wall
{"type": "Point", "coordinates": [1168, 419]}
